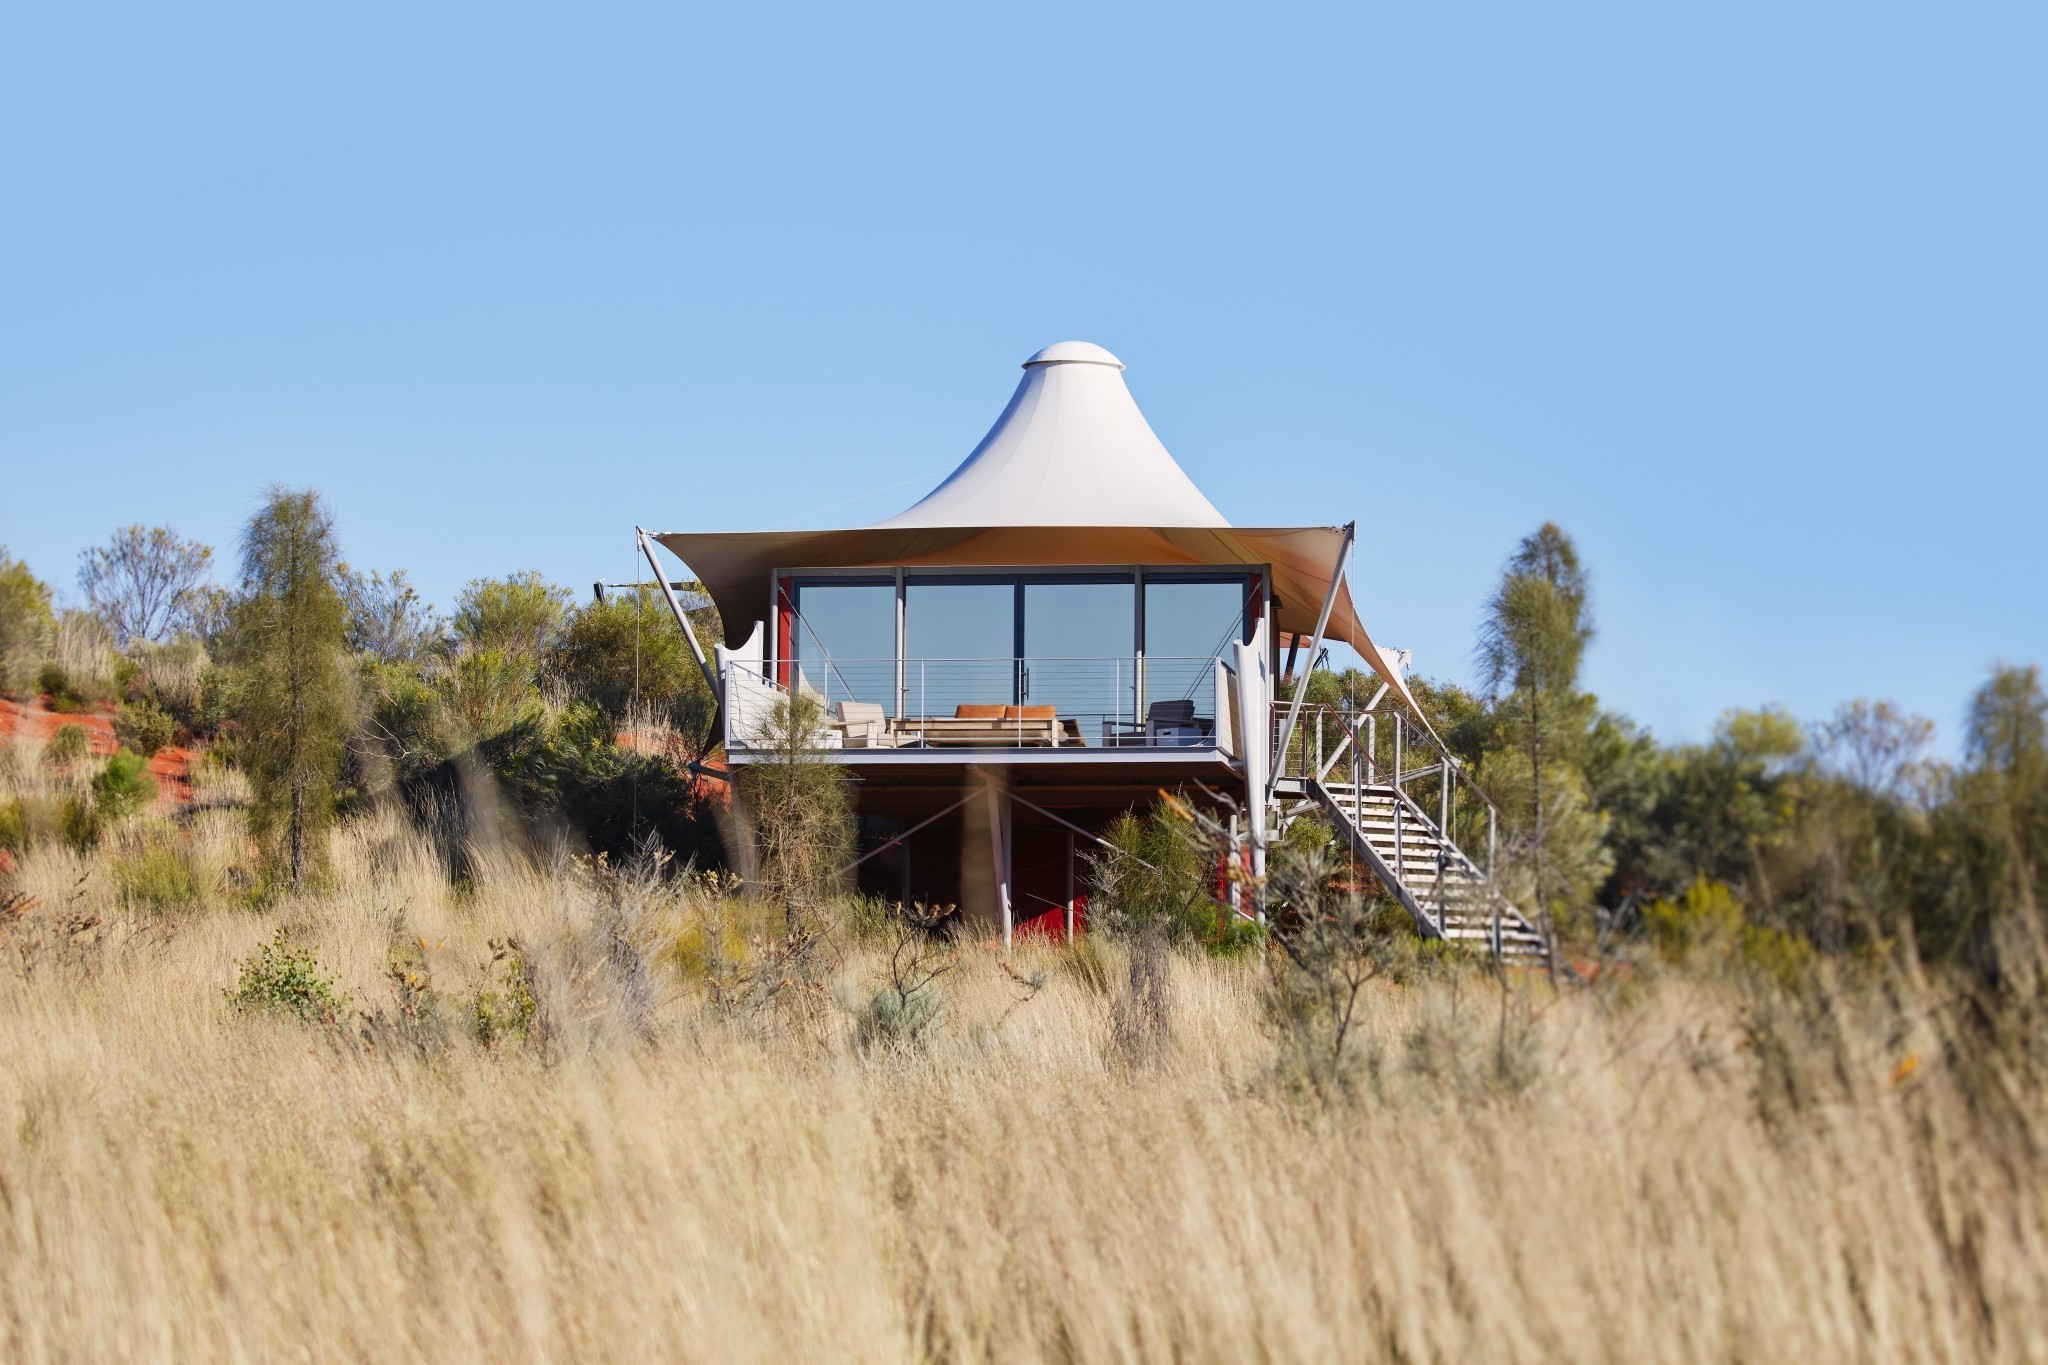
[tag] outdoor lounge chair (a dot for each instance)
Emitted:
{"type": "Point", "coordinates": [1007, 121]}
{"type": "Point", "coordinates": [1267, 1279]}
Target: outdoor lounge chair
{"type": "Point", "coordinates": [865, 724]}
{"type": "Point", "coordinates": [1174, 723]}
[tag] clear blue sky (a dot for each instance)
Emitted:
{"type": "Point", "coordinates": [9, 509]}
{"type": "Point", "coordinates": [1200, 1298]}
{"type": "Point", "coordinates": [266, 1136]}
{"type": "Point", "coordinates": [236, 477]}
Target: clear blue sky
{"type": "Point", "coordinates": [1751, 298]}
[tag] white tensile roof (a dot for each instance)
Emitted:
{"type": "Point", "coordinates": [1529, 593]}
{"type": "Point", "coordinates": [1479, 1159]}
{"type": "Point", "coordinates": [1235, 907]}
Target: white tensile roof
{"type": "Point", "coordinates": [1071, 474]}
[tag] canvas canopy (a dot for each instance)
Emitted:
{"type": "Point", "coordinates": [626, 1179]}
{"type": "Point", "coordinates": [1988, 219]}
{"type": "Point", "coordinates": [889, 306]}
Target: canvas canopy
{"type": "Point", "coordinates": [1070, 475]}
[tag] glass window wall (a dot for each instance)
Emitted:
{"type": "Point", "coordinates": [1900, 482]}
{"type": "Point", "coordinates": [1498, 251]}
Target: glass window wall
{"type": "Point", "coordinates": [1188, 623]}
{"type": "Point", "coordinates": [1080, 643]}
{"type": "Point", "coordinates": [843, 640]}
{"type": "Point", "coordinates": [984, 641]}
{"type": "Point", "coordinates": [960, 646]}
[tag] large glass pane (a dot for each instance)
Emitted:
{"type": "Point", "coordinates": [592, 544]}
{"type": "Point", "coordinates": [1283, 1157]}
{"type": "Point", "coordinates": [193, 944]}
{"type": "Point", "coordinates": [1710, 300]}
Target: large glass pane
{"type": "Point", "coordinates": [1188, 624]}
{"type": "Point", "coordinates": [960, 640]}
{"type": "Point", "coordinates": [1079, 653]}
{"type": "Point", "coordinates": [843, 641]}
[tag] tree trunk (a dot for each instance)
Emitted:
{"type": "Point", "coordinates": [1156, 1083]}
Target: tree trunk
{"type": "Point", "coordinates": [298, 831]}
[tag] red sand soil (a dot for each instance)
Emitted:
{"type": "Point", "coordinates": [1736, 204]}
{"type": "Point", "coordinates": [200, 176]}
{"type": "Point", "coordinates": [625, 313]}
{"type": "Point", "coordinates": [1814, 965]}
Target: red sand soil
{"type": "Point", "coordinates": [171, 766]}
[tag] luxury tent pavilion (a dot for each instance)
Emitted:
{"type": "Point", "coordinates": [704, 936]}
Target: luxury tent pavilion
{"type": "Point", "coordinates": [1061, 629]}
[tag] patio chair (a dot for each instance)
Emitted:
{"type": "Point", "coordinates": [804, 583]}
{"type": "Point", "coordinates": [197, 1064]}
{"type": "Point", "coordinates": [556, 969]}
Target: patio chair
{"type": "Point", "coordinates": [865, 725]}
{"type": "Point", "coordinates": [1174, 723]}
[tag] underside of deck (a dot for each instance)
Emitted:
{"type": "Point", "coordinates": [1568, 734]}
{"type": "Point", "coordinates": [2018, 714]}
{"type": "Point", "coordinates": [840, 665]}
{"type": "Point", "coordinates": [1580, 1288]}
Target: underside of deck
{"type": "Point", "coordinates": [1007, 836]}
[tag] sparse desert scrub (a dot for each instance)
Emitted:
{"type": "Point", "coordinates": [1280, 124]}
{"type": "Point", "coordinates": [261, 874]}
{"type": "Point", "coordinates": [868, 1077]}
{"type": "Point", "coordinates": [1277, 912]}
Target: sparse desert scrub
{"type": "Point", "coordinates": [1676, 1168]}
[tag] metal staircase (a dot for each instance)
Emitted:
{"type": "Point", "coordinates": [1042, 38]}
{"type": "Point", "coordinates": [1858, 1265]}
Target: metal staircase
{"type": "Point", "coordinates": [1351, 766]}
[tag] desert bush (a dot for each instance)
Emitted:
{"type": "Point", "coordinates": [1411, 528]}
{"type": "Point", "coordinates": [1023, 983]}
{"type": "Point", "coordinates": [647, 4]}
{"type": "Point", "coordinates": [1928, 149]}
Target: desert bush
{"type": "Point", "coordinates": [626, 647]}
{"type": "Point", "coordinates": [506, 1007]}
{"type": "Point", "coordinates": [59, 691]}
{"type": "Point", "coordinates": [794, 812]}
{"type": "Point", "coordinates": [173, 676]}
{"type": "Point", "coordinates": [711, 946]}
{"type": "Point", "coordinates": [1331, 947]}
{"type": "Point", "coordinates": [569, 772]}
{"type": "Point", "coordinates": [144, 727]}
{"type": "Point", "coordinates": [27, 627]}
{"type": "Point", "coordinates": [417, 1023]}
{"type": "Point", "coordinates": [279, 978]}
{"type": "Point", "coordinates": [490, 690]}
{"type": "Point", "coordinates": [1156, 878]}
{"type": "Point", "coordinates": [124, 785]}
{"type": "Point", "coordinates": [155, 877]}
{"type": "Point", "coordinates": [69, 745]}
{"type": "Point", "coordinates": [907, 1003]}
{"type": "Point", "coordinates": [388, 621]}
{"type": "Point", "coordinates": [519, 616]}
{"type": "Point", "coordinates": [1707, 928]}
{"type": "Point", "coordinates": [83, 663]}
{"type": "Point", "coordinates": [13, 825]}
{"type": "Point", "coordinates": [79, 822]}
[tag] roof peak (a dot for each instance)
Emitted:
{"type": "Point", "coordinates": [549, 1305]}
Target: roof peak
{"type": "Point", "coordinates": [1071, 449]}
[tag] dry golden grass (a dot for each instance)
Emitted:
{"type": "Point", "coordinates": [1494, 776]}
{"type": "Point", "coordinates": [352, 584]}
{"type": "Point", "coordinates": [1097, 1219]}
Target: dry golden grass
{"type": "Point", "coordinates": [1661, 1174]}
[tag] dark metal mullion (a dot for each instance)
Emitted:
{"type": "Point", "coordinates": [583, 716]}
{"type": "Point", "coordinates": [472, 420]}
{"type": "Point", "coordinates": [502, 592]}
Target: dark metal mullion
{"type": "Point", "coordinates": [1017, 647]}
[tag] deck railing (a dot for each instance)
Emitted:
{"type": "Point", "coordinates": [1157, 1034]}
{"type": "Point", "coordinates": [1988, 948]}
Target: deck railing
{"type": "Point", "coordinates": [1105, 702]}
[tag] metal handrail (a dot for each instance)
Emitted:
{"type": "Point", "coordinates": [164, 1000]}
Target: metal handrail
{"type": "Point", "coordinates": [1375, 773]}
{"type": "Point", "coordinates": [1344, 717]}
{"type": "Point", "coordinates": [1440, 829]}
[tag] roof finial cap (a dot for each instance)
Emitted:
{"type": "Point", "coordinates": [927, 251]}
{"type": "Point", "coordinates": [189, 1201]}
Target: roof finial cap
{"type": "Point", "coordinates": [1073, 353]}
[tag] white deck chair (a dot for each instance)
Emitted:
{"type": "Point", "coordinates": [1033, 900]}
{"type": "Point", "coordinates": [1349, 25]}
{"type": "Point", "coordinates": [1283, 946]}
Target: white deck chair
{"type": "Point", "coordinates": [865, 724]}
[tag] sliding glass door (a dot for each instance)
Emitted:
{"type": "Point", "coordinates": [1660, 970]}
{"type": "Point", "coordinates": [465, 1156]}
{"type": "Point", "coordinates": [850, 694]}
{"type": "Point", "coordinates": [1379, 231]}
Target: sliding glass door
{"type": "Point", "coordinates": [1080, 648]}
{"type": "Point", "coordinates": [842, 640]}
{"type": "Point", "coordinates": [1188, 623]}
{"type": "Point", "coordinates": [960, 646]}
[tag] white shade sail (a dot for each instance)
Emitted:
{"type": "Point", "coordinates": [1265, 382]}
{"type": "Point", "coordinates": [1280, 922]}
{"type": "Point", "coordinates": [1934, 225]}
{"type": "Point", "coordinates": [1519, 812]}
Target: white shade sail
{"type": "Point", "coordinates": [1070, 475]}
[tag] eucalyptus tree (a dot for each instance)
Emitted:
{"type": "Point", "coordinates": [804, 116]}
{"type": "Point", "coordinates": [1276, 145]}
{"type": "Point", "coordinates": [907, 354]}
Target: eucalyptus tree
{"type": "Point", "coordinates": [145, 582]}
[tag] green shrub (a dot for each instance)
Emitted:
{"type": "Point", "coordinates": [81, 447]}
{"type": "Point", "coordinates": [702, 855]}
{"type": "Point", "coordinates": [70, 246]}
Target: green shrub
{"type": "Point", "coordinates": [83, 659]}
{"type": "Point", "coordinates": [78, 823]}
{"type": "Point", "coordinates": [889, 1018]}
{"type": "Point", "coordinates": [171, 675]}
{"type": "Point", "coordinates": [27, 626]}
{"type": "Point", "coordinates": [157, 878]}
{"type": "Point", "coordinates": [1158, 877]}
{"type": "Point", "coordinates": [70, 745]}
{"type": "Point", "coordinates": [144, 727]}
{"type": "Point", "coordinates": [124, 785]}
{"type": "Point", "coordinates": [626, 647]}
{"type": "Point", "coordinates": [1236, 936]}
{"type": "Point", "coordinates": [280, 979]}
{"type": "Point", "coordinates": [63, 692]}
{"type": "Point", "coordinates": [506, 1006]}
{"type": "Point", "coordinates": [13, 825]}
{"type": "Point", "coordinates": [1707, 927]}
